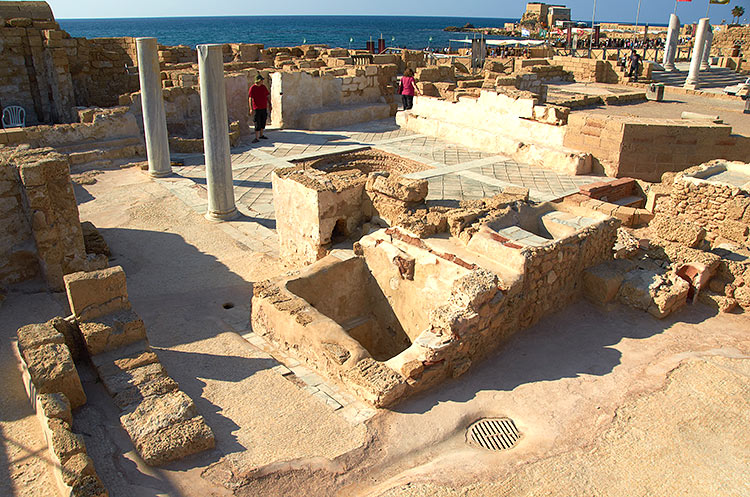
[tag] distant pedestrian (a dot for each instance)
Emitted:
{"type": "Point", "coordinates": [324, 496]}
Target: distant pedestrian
{"type": "Point", "coordinates": [635, 62]}
{"type": "Point", "coordinates": [260, 105]}
{"type": "Point", "coordinates": [407, 88]}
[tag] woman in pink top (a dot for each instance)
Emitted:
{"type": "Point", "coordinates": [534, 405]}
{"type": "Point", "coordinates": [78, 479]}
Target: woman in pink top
{"type": "Point", "coordinates": [407, 88]}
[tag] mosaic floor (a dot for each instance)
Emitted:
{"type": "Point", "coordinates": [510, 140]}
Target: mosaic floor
{"type": "Point", "coordinates": [458, 173]}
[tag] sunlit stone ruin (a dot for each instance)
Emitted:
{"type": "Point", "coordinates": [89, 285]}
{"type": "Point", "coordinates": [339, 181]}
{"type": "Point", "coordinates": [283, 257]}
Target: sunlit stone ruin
{"type": "Point", "coordinates": [387, 253]}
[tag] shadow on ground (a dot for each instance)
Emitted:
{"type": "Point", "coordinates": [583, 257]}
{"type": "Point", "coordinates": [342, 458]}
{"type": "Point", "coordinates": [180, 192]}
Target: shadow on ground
{"type": "Point", "coordinates": [548, 351]}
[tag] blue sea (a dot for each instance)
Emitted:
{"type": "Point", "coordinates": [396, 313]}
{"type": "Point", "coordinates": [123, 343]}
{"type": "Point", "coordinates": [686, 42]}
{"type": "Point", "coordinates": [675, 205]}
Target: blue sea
{"type": "Point", "coordinates": [278, 31]}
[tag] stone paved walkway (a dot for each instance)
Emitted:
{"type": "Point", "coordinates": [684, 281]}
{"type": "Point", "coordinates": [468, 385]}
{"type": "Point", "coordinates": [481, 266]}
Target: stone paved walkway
{"type": "Point", "coordinates": [458, 173]}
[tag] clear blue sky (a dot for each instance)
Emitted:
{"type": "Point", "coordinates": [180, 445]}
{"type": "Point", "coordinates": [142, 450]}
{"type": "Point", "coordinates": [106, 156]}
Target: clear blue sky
{"type": "Point", "coordinates": [653, 11]}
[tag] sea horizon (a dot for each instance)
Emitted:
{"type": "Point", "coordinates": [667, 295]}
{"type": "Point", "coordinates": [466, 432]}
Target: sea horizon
{"type": "Point", "coordinates": [347, 31]}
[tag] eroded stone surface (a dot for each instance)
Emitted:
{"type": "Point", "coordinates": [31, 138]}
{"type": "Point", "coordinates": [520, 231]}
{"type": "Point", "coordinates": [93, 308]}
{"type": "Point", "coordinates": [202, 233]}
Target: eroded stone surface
{"type": "Point", "coordinates": [112, 331]}
{"type": "Point", "coordinates": [90, 486]}
{"type": "Point", "coordinates": [125, 358]}
{"type": "Point", "coordinates": [677, 230]}
{"type": "Point", "coordinates": [96, 293]}
{"type": "Point", "coordinates": [52, 370]}
{"type": "Point", "coordinates": [77, 467]}
{"type": "Point", "coordinates": [56, 405]}
{"type": "Point", "coordinates": [175, 441]}
{"type": "Point", "coordinates": [155, 413]}
{"type": "Point", "coordinates": [70, 332]}
{"type": "Point", "coordinates": [65, 443]}
{"type": "Point", "coordinates": [602, 282]}
{"type": "Point", "coordinates": [378, 383]}
{"type": "Point", "coordinates": [34, 335]}
{"type": "Point", "coordinates": [119, 382]}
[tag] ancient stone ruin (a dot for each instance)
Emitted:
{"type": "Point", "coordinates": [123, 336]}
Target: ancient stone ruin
{"type": "Point", "coordinates": [407, 246]}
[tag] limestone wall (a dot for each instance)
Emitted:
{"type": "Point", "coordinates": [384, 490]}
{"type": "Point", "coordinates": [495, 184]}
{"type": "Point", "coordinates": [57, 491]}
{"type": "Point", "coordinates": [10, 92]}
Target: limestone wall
{"type": "Point", "coordinates": [36, 11]}
{"type": "Point", "coordinates": [646, 148]}
{"type": "Point", "coordinates": [587, 70]}
{"type": "Point", "coordinates": [105, 126]}
{"type": "Point", "coordinates": [18, 260]}
{"type": "Point", "coordinates": [720, 208]}
{"type": "Point", "coordinates": [495, 122]}
{"type": "Point", "coordinates": [297, 95]}
{"type": "Point", "coordinates": [182, 105]}
{"type": "Point", "coordinates": [48, 73]}
{"type": "Point", "coordinates": [41, 215]}
{"type": "Point", "coordinates": [103, 69]}
{"type": "Point", "coordinates": [728, 37]}
{"type": "Point", "coordinates": [554, 273]}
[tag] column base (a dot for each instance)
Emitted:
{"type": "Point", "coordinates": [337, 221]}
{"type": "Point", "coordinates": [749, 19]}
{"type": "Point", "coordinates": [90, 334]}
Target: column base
{"type": "Point", "coordinates": [222, 216]}
{"type": "Point", "coordinates": [691, 86]}
{"type": "Point", "coordinates": [160, 174]}
{"type": "Point", "coordinates": [668, 68]}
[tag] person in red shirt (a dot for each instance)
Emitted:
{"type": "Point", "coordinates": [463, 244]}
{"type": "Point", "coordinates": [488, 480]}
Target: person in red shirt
{"type": "Point", "coordinates": [260, 106]}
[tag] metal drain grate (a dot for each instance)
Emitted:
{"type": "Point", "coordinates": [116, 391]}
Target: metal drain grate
{"type": "Point", "coordinates": [493, 433]}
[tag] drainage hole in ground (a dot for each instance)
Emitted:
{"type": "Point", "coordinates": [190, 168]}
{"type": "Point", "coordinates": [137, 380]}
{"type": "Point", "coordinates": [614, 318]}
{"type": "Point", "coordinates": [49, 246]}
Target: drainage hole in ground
{"type": "Point", "coordinates": [493, 434]}
{"type": "Point", "coordinates": [228, 305]}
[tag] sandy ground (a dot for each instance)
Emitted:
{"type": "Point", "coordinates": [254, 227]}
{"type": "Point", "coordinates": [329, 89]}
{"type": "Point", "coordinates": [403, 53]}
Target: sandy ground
{"type": "Point", "coordinates": [599, 394]}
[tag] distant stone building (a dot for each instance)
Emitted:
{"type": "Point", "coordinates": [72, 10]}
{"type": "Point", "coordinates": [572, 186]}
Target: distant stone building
{"type": "Point", "coordinates": [557, 13]}
{"type": "Point", "coordinates": [545, 15]}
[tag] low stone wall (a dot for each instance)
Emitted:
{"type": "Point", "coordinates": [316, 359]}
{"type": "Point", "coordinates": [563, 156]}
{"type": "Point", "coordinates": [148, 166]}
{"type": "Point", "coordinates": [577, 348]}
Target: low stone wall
{"type": "Point", "coordinates": [587, 70]}
{"type": "Point", "coordinates": [296, 95]}
{"type": "Point", "coordinates": [513, 125]}
{"type": "Point", "coordinates": [720, 208]}
{"type": "Point", "coordinates": [646, 148]}
{"type": "Point", "coordinates": [54, 387]}
{"type": "Point", "coordinates": [629, 216]}
{"type": "Point", "coordinates": [162, 421]}
{"type": "Point", "coordinates": [103, 127]}
{"type": "Point", "coordinates": [470, 310]}
{"type": "Point", "coordinates": [316, 208]}
{"type": "Point", "coordinates": [40, 201]}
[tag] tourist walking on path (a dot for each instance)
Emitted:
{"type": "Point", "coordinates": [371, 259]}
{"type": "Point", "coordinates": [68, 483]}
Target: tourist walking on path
{"type": "Point", "coordinates": [407, 88]}
{"type": "Point", "coordinates": [260, 106]}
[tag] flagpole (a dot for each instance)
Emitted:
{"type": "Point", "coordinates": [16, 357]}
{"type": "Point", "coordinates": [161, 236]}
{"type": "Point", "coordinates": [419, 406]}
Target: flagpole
{"type": "Point", "coordinates": [708, 8]}
{"type": "Point", "coordinates": [591, 38]}
{"type": "Point", "coordinates": [675, 7]}
{"type": "Point", "coordinates": [637, 18]}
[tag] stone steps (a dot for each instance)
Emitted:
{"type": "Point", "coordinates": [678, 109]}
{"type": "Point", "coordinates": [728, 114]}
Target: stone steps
{"type": "Point", "coordinates": [99, 154]}
{"type": "Point", "coordinates": [332, 117]}
{"type": "Point", "coordinates": [86, 146]}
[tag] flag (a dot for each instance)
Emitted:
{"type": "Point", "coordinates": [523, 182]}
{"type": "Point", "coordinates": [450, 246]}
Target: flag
{"type": "Point", "coordinates": [684, 0]}
{"type": "Point", "coordinates": [720, 2]}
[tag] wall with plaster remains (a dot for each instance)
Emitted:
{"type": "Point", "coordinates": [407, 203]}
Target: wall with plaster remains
{"type": "Point", "coordinates": [315, 100]}
{"type": "Point", "coordinates": [646, 148]}
{"type": "Point", "coordinates": [513, 124]}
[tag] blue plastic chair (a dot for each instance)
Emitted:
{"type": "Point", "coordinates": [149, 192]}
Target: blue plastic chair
{"type": "Point", "coordinates": [14, 116]}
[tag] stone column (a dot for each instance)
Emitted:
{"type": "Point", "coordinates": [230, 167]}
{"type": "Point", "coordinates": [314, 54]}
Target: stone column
{"type": "Point", "coordinates": [154, 118]}
{"type": "Point", "coordinates": [693, 79]}
{"type": "Point", "coordinates": [673, 39]}
{"type": "Point", "coordinates": [705, 65]}
{"type": "Point", "coordinates": [221, 205]}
